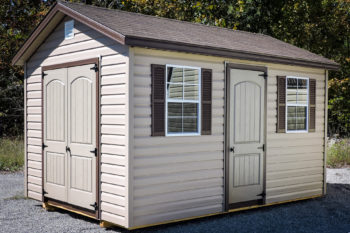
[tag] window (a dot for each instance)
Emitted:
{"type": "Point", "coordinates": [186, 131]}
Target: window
{"type": "Point", "coordinates": [69, 29]}
{"type": "Point", "coordinates": [183, 100]}
{"type": "Point", "coordinates": [297, 104]}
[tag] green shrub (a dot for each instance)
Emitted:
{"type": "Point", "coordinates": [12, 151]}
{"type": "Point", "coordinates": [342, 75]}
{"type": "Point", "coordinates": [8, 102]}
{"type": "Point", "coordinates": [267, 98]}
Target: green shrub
{"type": "Point", "coordinates": [338, 154]}
{"type": "Point", "coordinates": [11, 154]}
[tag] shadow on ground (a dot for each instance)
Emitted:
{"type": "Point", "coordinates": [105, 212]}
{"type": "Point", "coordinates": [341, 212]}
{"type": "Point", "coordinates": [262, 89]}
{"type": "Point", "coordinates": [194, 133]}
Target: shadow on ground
{"type": "Point", "coordinates": [326, 214]}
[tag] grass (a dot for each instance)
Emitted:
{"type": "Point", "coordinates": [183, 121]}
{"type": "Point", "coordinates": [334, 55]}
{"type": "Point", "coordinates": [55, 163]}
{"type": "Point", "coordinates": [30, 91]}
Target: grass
{"type": "Point", "coordinates": [17, 197]}
{"type": "Point", "coordinates": [11, 154]}
{"type": "Point", "coordinates": [338, 155]}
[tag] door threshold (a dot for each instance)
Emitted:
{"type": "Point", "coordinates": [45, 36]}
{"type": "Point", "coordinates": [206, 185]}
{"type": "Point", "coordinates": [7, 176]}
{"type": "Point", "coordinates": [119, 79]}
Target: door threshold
{"type": "Point", "coordinates": [71, 208]}
{"type": "Point", "coordinates": [245, 204]}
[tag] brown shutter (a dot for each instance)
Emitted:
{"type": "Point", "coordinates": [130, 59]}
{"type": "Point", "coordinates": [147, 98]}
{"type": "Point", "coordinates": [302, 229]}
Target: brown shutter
{"type": "Point", "coordinates": [158, 99]}
{"type": "Point", "coordinates": [281, 104]}
{"type": "Point", "coordinates": [312, 105]}
{"type": "Point", "coordinates": [206, 101]}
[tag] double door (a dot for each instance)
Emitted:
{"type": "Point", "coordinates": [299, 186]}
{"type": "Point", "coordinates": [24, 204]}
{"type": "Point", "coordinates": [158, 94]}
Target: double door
{"type": "Point", "coordinates": [69, 135]}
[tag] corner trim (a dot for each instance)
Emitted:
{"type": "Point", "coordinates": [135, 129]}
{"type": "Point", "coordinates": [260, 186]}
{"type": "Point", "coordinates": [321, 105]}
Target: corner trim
{"type": "Point", "coordinates": [25, 133]}
{"type": "Point", "coordinates": [325, 134]}
{"type": "Point", "coordinates": [130, 138]}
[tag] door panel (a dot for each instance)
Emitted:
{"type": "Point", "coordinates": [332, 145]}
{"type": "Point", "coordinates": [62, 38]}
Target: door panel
{"type": "Point", "coordinates": [55, 172]}
{"type": "Point", "coordinates": [246, 170]}
{"type": "Point", "coordinates": [247, 106]}
{"type": "Point", "coordinates": [81, 170]}
{"type": "Point", "coordinates": [247, 112]}
{"type": "Point", "coordinates": [82, 136]}
{"type": "Point", "coordinates": [81, 107]}
{"type": "Point", "coordinates": [55, 134]}
{"type": "Point", "coordinates": [56, 104]}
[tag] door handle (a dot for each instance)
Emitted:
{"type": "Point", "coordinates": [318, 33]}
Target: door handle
{"type": "Point", "coordinates": [262, 147]}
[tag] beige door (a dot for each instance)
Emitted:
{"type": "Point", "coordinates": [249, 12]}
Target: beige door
{"type": "Point", "coordinates": [246, 132]}
{"type": "Point", "coordinates": [82, 136]}
{"type": "Point", "coordinates": [55, 134]}
{"type": "Point", "coordinates": [70, 135]}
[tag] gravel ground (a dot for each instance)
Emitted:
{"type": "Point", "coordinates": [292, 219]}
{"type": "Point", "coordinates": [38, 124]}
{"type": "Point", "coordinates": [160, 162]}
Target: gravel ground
{"type": "Point", "coordinates": [326, 214]}
{"type": "Point", "coordinates": [338, 176]}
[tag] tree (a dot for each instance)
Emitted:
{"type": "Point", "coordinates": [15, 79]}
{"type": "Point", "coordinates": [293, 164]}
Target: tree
{"type": "Point", "coordinates": [18, 19]}
{"type": "Point", "coordinates": [321, 26]}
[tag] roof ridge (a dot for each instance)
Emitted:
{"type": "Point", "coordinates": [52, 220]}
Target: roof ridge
{"type": "Point", "coordinates": [164, 18]}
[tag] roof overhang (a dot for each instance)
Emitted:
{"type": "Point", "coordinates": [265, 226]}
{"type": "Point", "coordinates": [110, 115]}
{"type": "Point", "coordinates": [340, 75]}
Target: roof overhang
{"type": "Point", "coordinates": [58, 11]}
{"type": "Point", "coordinates": [205, 50]}
{"type": "Point", "coordinates": [48, 24]}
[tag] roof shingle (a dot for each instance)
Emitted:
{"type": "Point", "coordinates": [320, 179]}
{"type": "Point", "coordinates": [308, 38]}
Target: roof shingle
{"type": "Point", "coordinates": [170, 31]}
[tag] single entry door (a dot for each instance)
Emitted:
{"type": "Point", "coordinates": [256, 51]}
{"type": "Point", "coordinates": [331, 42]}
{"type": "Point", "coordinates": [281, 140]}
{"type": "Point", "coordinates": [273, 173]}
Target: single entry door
{"type": "Point", "coordinates": [246, 135]}
{"type": "Point", "coordinates": [70, 135]}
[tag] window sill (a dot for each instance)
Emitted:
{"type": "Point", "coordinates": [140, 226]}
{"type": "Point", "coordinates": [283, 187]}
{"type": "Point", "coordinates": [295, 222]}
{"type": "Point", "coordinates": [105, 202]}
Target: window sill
{"type": "Point", "coordinates": [182, 134]}
{"type": "Point", "coordinates": [297, 131]}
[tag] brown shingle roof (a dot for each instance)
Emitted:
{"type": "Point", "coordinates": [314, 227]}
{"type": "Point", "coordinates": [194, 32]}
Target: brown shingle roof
{"type": "Point", "coordinates": [169, 30]}
{"type": "Point", "coordinates": [157, 32]}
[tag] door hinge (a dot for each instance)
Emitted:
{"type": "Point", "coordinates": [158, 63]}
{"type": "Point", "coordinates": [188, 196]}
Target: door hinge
{"type": "Point", "coordinates": [44, 192]}
{"type": "Point", "coordinates": [95, 205]}
{"type": "Point", "coordinates": [95, 68]}
{"type": "Point", "coordinates": [263, 194]}
{"type": "Point", "coordinates": [43, 74]}
{"type": "Point", "coordinates": [94, 151]}
{"type": "Point", "coordinates": [264, 75]}
{"type": "Point", "coordinates": [43, 146]}
{"type": "Point", "coordinates": [262, 147]}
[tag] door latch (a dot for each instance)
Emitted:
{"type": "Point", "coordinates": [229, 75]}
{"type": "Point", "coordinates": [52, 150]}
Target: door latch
{"type": "Point", "coordinates": [44, 192]}
{"type": "Point", "coordinates": [232, 149]}
{"type": "Point", "coordinates": [94, 205]}
{"type": "Point", "coordinates": [67, 149]}
{"type": "Point", "coordinates": [43, 146]}
{"type": "Point", "coordinates": [94, 151]}
{"type": "Point", "coordinates": [262, 147]}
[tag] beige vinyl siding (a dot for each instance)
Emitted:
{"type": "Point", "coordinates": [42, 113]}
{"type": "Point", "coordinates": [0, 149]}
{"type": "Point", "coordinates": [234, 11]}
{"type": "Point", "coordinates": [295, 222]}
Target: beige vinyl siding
{"type": "Point", "coordinates": [176, 176]}
{"type": "Point", "coordinates": [114, 138]}
{"type": "Point", "coordinates": [294, 160]}
{"type": "Point", "coordinates": [86, 44]}
{"type": "Point", "coordinates": [182, 176]}
{"type": "Point", "coordinates": [33, 135]}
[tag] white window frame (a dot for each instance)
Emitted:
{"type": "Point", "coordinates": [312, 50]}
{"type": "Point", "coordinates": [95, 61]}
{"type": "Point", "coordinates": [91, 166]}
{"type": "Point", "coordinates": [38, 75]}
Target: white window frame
{"type": "Point", "coordinates": [199, 101]}
{"type": "Point", "coordinates": [66, 25]}
{"type": "Point", "coordinates": [298, 105]}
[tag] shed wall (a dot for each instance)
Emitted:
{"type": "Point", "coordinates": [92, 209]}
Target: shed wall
{"type": "Point", "coordinates": [294, 165]}
{"type": "Point", "coordinates": [86, 43]}
{"type": "Point", "coordinates": [179, 177]}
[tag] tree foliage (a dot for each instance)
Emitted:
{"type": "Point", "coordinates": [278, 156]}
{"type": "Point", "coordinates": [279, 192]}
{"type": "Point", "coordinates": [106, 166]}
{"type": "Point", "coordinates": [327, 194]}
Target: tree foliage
{"type": "Point", "coordinates": [321, 26]}
{"type": "Point", "coordinates": [18, 19]}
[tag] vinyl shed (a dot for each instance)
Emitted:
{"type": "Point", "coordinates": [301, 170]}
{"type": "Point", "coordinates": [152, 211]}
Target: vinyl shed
{"type": "Point", "coordinates": [138, 120]}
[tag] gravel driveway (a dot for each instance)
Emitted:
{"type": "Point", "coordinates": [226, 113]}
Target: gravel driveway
{"type": "Point", "coordinates": [326, 214]}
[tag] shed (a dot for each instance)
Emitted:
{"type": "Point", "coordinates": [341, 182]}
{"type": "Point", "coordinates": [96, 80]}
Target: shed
{"type": "Point", "coordinates": [137, 120]}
